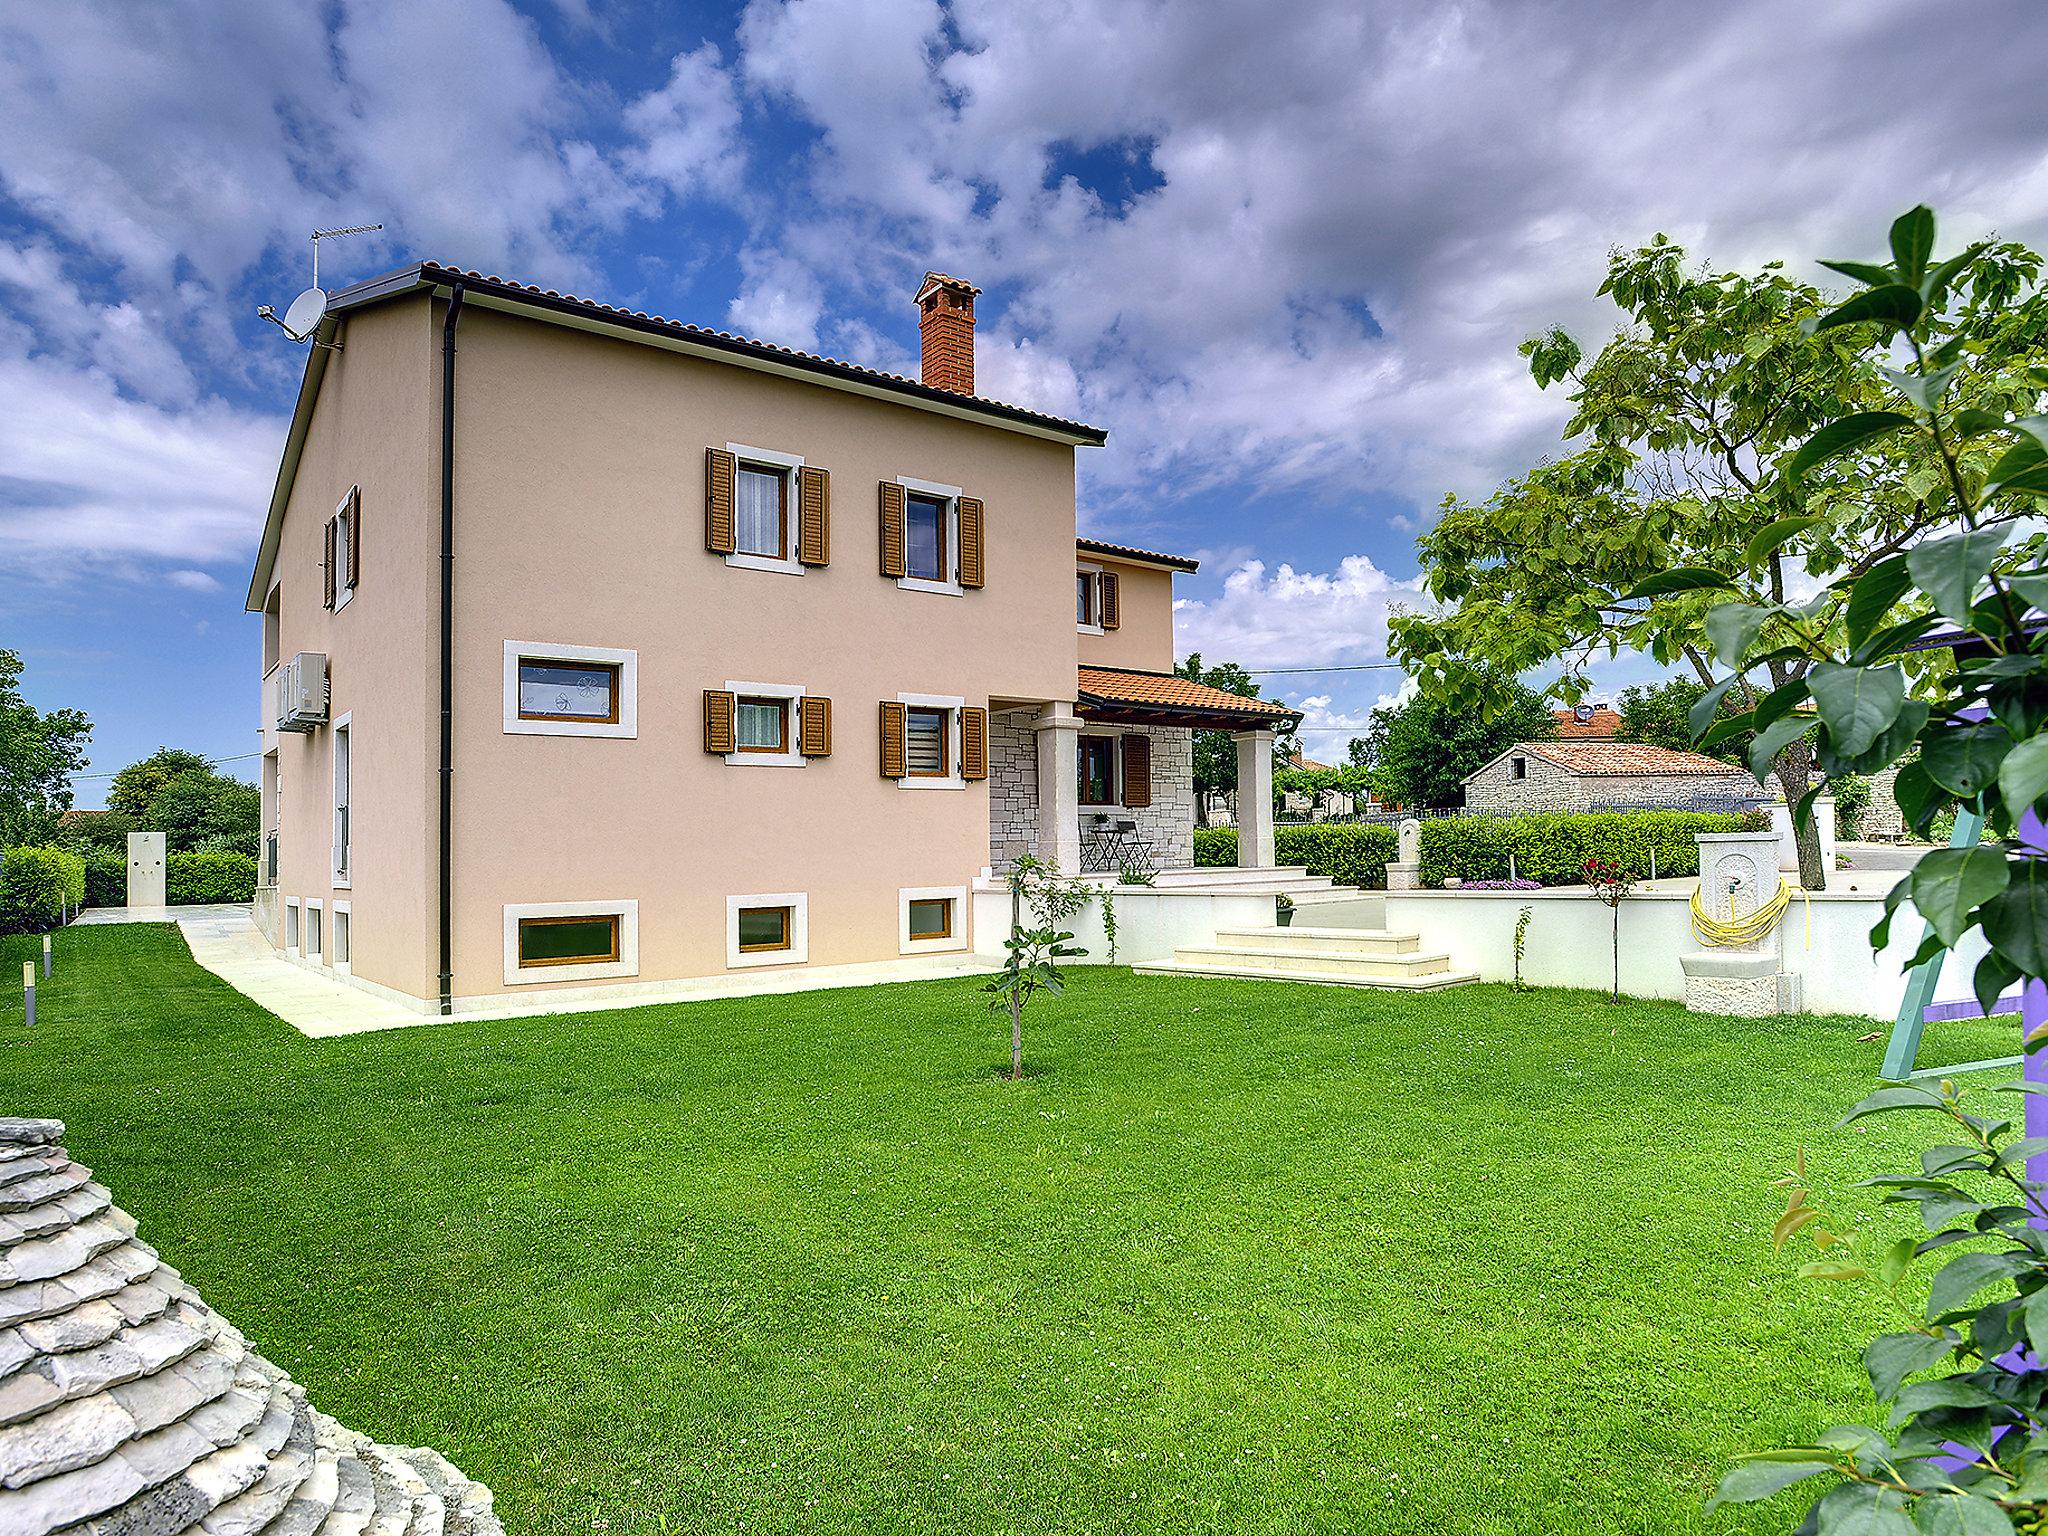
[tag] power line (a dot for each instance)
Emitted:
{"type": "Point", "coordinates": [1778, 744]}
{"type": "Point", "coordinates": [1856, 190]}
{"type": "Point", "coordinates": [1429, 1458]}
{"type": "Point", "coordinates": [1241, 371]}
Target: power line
{"type": "Point", "coordinates": [1364, 666]}
{"type": "Point", "coordinates": [211, 762]}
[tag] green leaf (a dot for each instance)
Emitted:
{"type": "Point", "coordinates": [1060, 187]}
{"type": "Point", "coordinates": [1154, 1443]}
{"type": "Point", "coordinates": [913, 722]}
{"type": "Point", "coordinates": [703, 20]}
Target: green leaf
{"type": "Point", "coordinates": [1993, 975]}
{"type": "Point", "coordinates": [1727, 726]}
{"type": "Point", "coordinates": [1950, 570]}
{"type": "Point", "coordinates": [1774, 534]}
{"type": "Point", "coordinates": [1856, 703]}
{"type": "Point", "coordinates": [1867, 273]}
{"type": "Point", "coordinates": [1965, 758]}
{"type": "Point", "coordinates": [1686, 578]}
{"type": "Point", "coordinates": [2023, 775]}
{"type": "Point", "coordinates": [2031, 588]}
{"type": "Point", "coordinates": [1935, 284]}
{"type": "Point", "coordinates": [1974, 422]}
{"type": "Point", "coordinates": [1898, 1096]}
{"type": "Point", "coordinates": [1894, 306]}
{"type": "Point", "coordinates": [1874, 595]}
{"type": "Point", "coordinates": [1758, 1477]}
{"type": "Point", "coordinates": [1950, 883]}
{"type": "Point", "coordinates": [2016, 465]}
{"type": "Point", "coordinates": [1923, 389]}
{"type": "Point", "coordinates": [1838, 437]}
{"type": "Point", "coordinates": [1779, 702]}
{"type": "Point", "coordinates": [1733, 628]}
{"type": "Point", "coordinates": [1959, 1514]}
{"type": "Point", "coordinates": [2016, 920]}
{"type": "Point", "coordinates": [1960, 1279]}
{"type": "Point", "coordinates": [1774, 739]}
{"type": "Point", "coordinates": [1891, 639]}
{"type": "Point", "coordinates": [1894, 743]}
{"type": "Point", "coordinates": [1916, 794]}
{"type": "Point", "coordinates": [1913, 242]}
{"type": "Point", "coordinates": [1708, 704]}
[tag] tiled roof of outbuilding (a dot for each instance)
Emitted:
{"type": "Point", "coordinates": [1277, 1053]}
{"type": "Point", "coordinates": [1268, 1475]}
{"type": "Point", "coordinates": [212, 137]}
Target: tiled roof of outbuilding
{"type": "Point", "coordinates": [129, 1405]}
{"type": "Point", "coordinates": [1603, 758]}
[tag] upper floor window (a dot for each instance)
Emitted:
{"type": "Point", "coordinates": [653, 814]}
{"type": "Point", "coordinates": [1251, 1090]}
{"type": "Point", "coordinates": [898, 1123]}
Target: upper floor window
{"type": "Point", "coordinates": [761, 511]}
{"type": "Point", "coordinates": [1084, 600]}
{"type": "Point", "coordinates": [927, 734]}
{"type": "Point", "coordinates": [570, 690]}
{"type": "Point", "coordinates": [925, 538]}
{"type": "Point", "coordinates": [1097, 600]}
{"type": "Point", "coordinates": [343, 554]}
{"type": "Point", "coordinates": [763, 724]}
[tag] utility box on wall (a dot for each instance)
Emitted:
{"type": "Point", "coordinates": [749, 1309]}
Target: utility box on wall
{"type": "Point", "coordinates": [146, 869]}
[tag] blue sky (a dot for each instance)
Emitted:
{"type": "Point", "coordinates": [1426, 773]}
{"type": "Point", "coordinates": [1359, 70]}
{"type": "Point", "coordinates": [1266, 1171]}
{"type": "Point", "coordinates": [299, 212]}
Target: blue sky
{"type": "Point", "coordinates": [1284, 253]}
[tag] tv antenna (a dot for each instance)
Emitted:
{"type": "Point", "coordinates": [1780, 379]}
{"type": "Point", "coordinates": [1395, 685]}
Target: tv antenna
{"type": "Point", "coordinates": [303, 315]}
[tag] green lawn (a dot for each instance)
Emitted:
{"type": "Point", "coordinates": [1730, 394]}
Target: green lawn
{"type": "Point", "coordinates": [1243, 1256]}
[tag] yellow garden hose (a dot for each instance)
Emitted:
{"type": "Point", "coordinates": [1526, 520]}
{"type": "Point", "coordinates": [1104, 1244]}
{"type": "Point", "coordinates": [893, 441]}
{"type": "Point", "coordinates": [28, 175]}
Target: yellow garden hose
{"type": "Point", "coordinates": [1746, 930]}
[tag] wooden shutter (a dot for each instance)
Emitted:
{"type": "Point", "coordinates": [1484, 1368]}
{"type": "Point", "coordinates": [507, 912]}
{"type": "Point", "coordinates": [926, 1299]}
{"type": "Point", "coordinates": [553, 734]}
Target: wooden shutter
{"type": "Point", "coordinates": [355, 535]}
{"type": "Point", "coordinates": [327, 566]}
{"type": "Point", "coordinates": [1110, 598]}
{"type": "Point", "coordinates": [813, 515]}
{"type": "Point", "coordinates": [892, 528]}
{"type": "Point", "coordinates": [894, 765]}
{"type": "Point", "coordinates": [720, 471]}
{"type": "Point", "coordinates": [970, 541]}
{"type": "Point", "coordinates": [1137, 772]}
{"type": "Point", "coordinates": [814, 727]}
{"type": "Point", "coordinates": [973, 744]}
{"type": "Point", "coordinates": [720, 736]}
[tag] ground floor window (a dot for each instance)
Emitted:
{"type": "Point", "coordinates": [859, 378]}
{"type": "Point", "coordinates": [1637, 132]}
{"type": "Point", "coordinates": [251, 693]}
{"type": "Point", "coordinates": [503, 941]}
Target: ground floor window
{"type": "Point", "coordinates": [570, 690]}
{"type": "Point", "coordinates": [567, 941]}
{"type": "Point", "coordinates": [314, 947]}
{"type": "Point", "coordinates": [1097, 757]}
{"type": "Point", "coordinates": [291, 925]}
{"type": "Point", "coordinates": [931, 917]}
{"type": "Point", "coordinates": [767, 930]}
{"type": "Point", "coordinates": [343, 937]}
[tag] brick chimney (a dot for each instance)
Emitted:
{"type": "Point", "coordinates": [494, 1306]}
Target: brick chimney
{"type": "Point", "coordinates": [945, 320]}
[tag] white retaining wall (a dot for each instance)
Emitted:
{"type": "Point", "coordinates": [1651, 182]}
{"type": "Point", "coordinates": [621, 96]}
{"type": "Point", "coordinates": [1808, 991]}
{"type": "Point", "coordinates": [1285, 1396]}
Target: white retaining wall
{"type": "Point", "coordinates": [1150, 923]}
{"type": "Point", "coordinates": [1569, 942]}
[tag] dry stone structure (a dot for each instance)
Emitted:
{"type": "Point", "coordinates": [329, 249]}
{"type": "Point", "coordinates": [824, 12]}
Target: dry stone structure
{"type": "Point", "coordinates": [128, 1407]}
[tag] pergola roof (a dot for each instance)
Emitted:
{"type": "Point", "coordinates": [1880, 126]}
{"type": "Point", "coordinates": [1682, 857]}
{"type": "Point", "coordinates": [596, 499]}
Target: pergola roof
{"type": "Point", "coordinates": [1122, 695]}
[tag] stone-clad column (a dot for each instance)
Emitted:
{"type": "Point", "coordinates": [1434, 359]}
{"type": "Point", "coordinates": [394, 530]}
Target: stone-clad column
{"type": "Point", "coordinates": [1059, 786]}
{"type": "Point", "coordinates": [1255, 800]}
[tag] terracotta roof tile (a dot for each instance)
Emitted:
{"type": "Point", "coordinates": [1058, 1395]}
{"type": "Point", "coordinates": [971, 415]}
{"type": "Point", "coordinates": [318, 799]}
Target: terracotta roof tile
{"type": "Point", "coordinates": [680, 327]}
{"type": "Point", "coordinates": [1603, 724]}
{"type": "Point", "coordinates": [1101, 547]}
{"type": "Point", "coordinates": [1162, 690]}
{"type": "Point", "coordinates": [1601, 758]}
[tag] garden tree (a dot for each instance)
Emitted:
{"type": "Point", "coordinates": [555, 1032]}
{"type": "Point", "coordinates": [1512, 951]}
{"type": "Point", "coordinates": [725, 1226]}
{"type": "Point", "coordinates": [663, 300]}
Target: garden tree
{"type": "Point", "coordinates": [1216, 751]}
{"type": "Point", "coordinates": [1422, 748]}
{"type": "Point", "coordinates": [1681, 425]}
{"type": "Point", "coordinates": [1359, 752]}
{"type": "Point", "coordinates": [1660, 714]}
{"type": "Point", "coordinates": [39, 753]}
{"type": "Point", "coordinates": [180, 794]}
{"type": "Point", "coordinates": [1959, 350]}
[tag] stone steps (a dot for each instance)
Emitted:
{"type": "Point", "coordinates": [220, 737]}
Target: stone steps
{"type": "Point", "coordinates": [1344, 957]}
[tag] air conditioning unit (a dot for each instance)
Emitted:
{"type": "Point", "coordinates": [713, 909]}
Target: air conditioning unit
{"type": "Point", "coordinates": [302, 692]}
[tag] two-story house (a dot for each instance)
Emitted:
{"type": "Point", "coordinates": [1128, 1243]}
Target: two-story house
{"type": "Point", "coordinates": [604, 651]}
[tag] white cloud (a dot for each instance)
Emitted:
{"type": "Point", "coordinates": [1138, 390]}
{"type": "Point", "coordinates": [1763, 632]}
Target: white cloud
{"type": "Point", "coordinates": [779, 300]}
{"type": "Point", "coordinates": [1289, 618]}
{"type": "Point", "coordinates": [688, 130]}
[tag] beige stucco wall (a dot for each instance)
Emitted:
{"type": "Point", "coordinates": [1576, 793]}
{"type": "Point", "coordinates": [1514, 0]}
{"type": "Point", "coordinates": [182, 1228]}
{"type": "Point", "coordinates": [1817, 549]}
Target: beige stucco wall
{"type": "Point", "coordinates": [1143, 638]}
{"type": "Point", "coordinates": [579, 471]}
{"type": "Point", "coordinates": [374, 426]}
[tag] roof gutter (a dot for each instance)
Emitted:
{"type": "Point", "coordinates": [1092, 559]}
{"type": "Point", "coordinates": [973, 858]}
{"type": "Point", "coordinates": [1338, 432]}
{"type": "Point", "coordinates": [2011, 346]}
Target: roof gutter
{"type": "Point", "coordinates": [447, 862]}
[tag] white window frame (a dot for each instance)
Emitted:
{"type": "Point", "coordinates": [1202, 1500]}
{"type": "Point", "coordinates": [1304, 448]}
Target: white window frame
{"type": "Point", "coordinates": [954, 746]}
{"type": "Point", "coordinates": [340, 914]}
{"type": "Point", "coordinates": [957, 894]}
{"type": "Point", "coordinates": [1094, 573]}
{"type": "Point", "coordinates": [799, 951]}
{"type": "Point", "coordinates": [627, 661]}
{"type": "Point", "coordinates": [344, 573]}
{"type": "Point", "coordinates": [344, 727]}
{"type": "Point", "coordinates": [951, 495]}
{"type": "Point", "coordinates": [294, 925]}
{"type": "Point", "coordinates": [789, 462]}
{"type": "Point", "coordinates": [628, 963]}
{"type": "Point", "coordinates": [315, 911]}
{"type": "Point", "coordinates": [793, 694]}
{"type": "Point", "coordinates": [1116, 773]}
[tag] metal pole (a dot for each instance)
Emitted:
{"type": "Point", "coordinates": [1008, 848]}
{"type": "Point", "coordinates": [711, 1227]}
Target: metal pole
{"type": "Point", "coordinates": [28, 988]}
{"type": "Point", "coordinates": [46, 956]}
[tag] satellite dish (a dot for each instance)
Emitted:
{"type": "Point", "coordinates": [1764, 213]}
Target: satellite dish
{"type": "Point", "coordinates": [1582, 713]}
{"type": "Point", "coordinates": [305, 314]}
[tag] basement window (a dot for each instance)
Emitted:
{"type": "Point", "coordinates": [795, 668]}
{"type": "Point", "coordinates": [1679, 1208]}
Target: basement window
{"type": "Point", "coordinates": [772, 929]}
{"type": "Point", "coordinates": [571, 941]}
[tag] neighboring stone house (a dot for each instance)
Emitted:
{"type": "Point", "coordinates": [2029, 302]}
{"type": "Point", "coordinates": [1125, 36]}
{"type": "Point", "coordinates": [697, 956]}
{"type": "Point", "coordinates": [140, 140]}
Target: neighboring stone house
{"type": "Point", "coordinates": [1579, 775]}
{"type": "Point", "coordinates": [128, 1407]}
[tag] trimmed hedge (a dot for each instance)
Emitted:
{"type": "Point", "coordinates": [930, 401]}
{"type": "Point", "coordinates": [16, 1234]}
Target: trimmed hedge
{"type": "Point", "coordinates": [1550, 848]}
{"type": "Point", "coordinates": [1350, 853]}
{"type": "Point", "coordinates": [1553, 848]}
{"type": "Point", "coordinates": [37, 887]}
{"type": "Point", "coordinates": [106, 880]}
{"type": "Point", "coordinates": [192, 878]}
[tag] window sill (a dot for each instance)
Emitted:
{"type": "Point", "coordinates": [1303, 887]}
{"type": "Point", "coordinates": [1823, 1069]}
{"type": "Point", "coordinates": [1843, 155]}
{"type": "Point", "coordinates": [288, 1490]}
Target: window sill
{"type": "Point", "coordinates": [790, 567]}
{"type": "Point", "coordinates": [936, 588]}
{"type": "Point", "coordinates": [342, 882]}
{"type": "Point", "coordinates": [342, 601]}
{"type": "Point", "coordinates": [951, 781]}
{"type": "Point", "coordinates": [1090, 629]}
{"type": "Point", "coordinates": [765, 759]}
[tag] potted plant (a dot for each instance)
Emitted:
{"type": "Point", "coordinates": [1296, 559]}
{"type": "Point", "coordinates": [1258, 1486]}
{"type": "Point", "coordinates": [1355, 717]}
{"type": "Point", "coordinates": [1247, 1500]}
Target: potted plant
{"type": "Point", "coordinates": [1283, 909]}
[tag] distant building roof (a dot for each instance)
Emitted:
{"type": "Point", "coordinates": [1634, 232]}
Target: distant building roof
{"type": "Point", "coordinates": [1598, 722]}
{"type": "Point", "coordinates": [1618, 759]}
{"type": "Point", "coordinates": [1299, 759]}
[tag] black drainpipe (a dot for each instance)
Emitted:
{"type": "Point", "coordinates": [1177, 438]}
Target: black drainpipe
{"type": "Point", "coordinates": [448, 649]}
